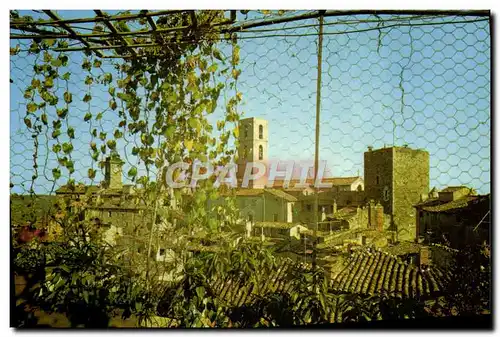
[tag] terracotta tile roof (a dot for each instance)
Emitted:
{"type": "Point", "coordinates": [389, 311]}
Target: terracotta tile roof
{"type": "Point", "coordinates": [454, 205]}
{"type": "Point", "coordinates": [378, 272]}
{"type": "Point", "coordinates": [341, 181]}
{"type": "Point", "coordinates": [335, 181]}
{"type": "Point", "coordinates": [403, 248]}
{"type": "Point", "coordinates": [251, 192]}
{"type": "Point", "coordinates": [454, 188]}
{"type": "Point", "coordinates": [281, 194]}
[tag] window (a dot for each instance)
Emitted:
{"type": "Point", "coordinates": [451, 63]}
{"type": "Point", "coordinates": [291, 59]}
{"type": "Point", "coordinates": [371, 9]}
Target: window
{"type": "Point", "coordinates": [245, 152]}
{"type": "Point", "coordinates": [275, 217]}
{"type": "Point", "coordinates": [109, 214]}
{"type": "Point", "coordinates": [378, 180]}
{"type": "Point", "coordinates": [360, 188]}
{"type": "Point", "coordinates": [246, 131]}
{"type": "Point", "coordinates": [308, 207]}
{"type": "Point", "coordinates": [261, 152]}
{"type": "Point", "coordinates": [261, 132]}
{"type": "Point", "coordinates": [162, 251]}
{"type": "Point", "coordinates": [250, 217]}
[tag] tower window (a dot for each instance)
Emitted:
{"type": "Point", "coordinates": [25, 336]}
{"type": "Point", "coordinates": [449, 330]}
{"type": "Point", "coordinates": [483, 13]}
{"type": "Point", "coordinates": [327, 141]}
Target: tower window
{"type": "Point", "coordinates": [261, 152]}
{"type": "Point", "coordinates": [246, 131]}
{"type": "Point", "coordinates": [261, 132]}
{"type": "Point", "coordinates": [378, 180]}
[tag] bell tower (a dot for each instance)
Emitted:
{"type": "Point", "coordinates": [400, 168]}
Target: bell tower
{"type": "Point", "coordinates": [253, 146]}
{"type": "Point", "coordinates": [113, 171]}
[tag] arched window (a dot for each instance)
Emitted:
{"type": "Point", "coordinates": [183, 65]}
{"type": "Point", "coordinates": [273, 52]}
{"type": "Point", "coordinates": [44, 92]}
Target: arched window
{"type": "Point", "coordinates": [261, 152]}
{"type": "Point", "coordinates": [378, 180]}
{"type": "Point", "coordinates": [261, 132]}
{"type": "Point", "coordinates": [246, 131]}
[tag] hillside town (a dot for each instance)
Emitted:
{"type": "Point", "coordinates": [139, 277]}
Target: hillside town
{"type": "Point", "coordinates": [386, 231]}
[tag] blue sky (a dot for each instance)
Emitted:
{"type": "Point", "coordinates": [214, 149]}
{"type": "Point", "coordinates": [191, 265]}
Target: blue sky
{"type": "Point", "coordinates": [444, 71]}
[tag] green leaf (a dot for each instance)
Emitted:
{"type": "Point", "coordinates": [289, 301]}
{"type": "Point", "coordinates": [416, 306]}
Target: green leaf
{"type": "Point", "coordinates": [67, 147]}
{"type": "Point", "coordinates": [99, 116]}
{"type": "Point", "coordinates": [212, 68]}
{"type": "Point", "coordinates": [68, 97]}
{"type": "Point", "coordinates": [89, 80]}
{"type": "Point", "coordinates": [27, 121]}
{"type": "Point", "coordinates": [111, 144]}
{"type": "Point", "coordinates": [31, 107]}
{"type": "Point", "coordinates": [87, 117]}
{"type": "Point", "coordinates": [71, 133]}
{"type": "Point", "coordinates": [66, 76]}
{"type": "Point", "coordinates": [56, 173]}
{"type": "Point", "coordinates": [61, 113]}
{"type": "Point", "coordinates": [132, 172]}
{"type": "Point", "coordinates": [44, 119]}
{"type": "Point", "coordinates": [56, 148]}
{"type": "Point", "coordinates": [87, 98]}
{"type": "Point", "coordinates": [91, 173]}
{"type": "Point", "coordinates": [170, 131]}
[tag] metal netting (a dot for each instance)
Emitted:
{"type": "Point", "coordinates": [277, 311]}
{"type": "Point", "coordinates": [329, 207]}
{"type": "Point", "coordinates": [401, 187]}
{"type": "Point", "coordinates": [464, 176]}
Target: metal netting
{"type": "Point", "coordinates": [419, 80]}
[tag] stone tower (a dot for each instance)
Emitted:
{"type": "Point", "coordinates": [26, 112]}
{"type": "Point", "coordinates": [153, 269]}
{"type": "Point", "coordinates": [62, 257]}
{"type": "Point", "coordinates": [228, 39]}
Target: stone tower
{"type": "Point", "coordinates": [113, 171]}
{"type": "Point", "coordinates": [397, 177]}
{"type": "Point", "coordinates": [253, 146]}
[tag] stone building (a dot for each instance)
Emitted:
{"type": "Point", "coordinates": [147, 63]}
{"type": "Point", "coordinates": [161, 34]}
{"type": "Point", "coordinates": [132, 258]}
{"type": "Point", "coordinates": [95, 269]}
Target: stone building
{"type": "Point", "coordinates": [113, 207]}
{"type": "Point", "coordinates": [456, 218]}
{"type": "Point", "coordinates": [261, 205]}
{"type": "Point", "coordinates": [397, 177]}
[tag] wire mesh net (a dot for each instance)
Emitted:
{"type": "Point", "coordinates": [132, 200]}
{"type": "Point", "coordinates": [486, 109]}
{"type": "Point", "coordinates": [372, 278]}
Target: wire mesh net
{"type": "Point", "coordinates": [416, 80]}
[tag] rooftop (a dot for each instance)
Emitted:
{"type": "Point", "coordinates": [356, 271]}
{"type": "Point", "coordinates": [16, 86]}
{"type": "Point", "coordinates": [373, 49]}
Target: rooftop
{"type": "Point", "coordinates": [436, 205]}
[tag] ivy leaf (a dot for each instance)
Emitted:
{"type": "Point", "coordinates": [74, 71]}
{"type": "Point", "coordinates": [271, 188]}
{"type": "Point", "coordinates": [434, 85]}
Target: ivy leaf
{"type": "Point", "coordinates": [99, 116]}
{"type": "Point", "coordinates": [91, 173]}
{"type": "Point", "coordinates": [56, 133]}
{"type": "Point", "coordinates": [111, 144]}
{"type": "Point", "coordinates": [44, 119]}
{"type": "Point", "coordinates": [71, 133]}
{"type": "Point", "coordinates": [56, 148]}
{"type": "Point", "coordinates": [61, 113]}
{"type": "Point", "coordinates": [132, 172]}
{"type": "Point", "coordinates": [89, 80]}
{"type": "Point", "coordinates": [118, 134]}
{"type": "Point", "coordinates": [27, 121]}
{"type": "Point", "coordinates": [68, 97]}
{"type": "Point", "coordinates": [56, 173]}
{"type": "Point", "coordinates": [31, 107]}
{"type": "Point", "coordinates": [28, 94]}
{"type": "Point", "coordinates": [49, 82]}
{"type": "Point", "coordinates": [87, 98]}
{"type": "Point", "coordinates": [170, 131]}
{"type": "Point", "coordinates": [212, 68]}
{"type": "Point", "coordinates": [66, 76]}
{"type": "Point", "coordinates": [236, 55]}
{"type": "Point", "coordinates": [194, 123]}
{"type": "Point", "coordinates": [97, 63]}
{"type": "Point", "coordinates": [87, 117]}
{"type": "Point", "coordinates": [67, 147]}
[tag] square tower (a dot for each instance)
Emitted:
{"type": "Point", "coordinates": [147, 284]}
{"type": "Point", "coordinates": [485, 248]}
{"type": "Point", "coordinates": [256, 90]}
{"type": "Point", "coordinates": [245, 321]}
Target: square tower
{"type": "Point", "coordinates": [397, 177]}
{"type": "Point", "coordinates": [113, 171]}
{"type": "Point", "coordinates": [253, 145]}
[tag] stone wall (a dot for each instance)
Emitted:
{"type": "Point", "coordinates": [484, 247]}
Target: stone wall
{"type": "Point", "coordinates": [411, 179]}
